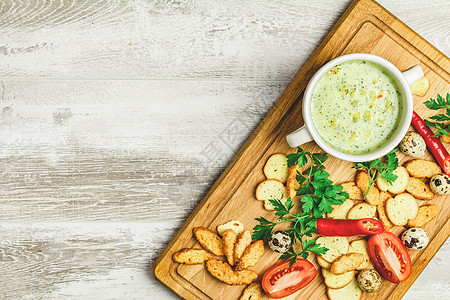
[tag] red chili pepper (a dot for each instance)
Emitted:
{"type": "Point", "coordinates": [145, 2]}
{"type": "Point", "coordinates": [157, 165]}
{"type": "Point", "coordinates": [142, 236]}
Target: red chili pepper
{"type": "Point", "coordinates": [433, 143]}
{"type": "Point", "coordinates": [335, 227]}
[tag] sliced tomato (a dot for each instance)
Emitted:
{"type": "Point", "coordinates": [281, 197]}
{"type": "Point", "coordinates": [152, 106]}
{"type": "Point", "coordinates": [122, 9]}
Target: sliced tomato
{"type": "Point", "coordinates": [389, 256]}
{"type": "Point", "coordinates": [283, 280]}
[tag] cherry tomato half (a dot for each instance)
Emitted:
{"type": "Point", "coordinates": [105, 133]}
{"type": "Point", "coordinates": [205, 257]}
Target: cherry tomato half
{"type": "Point", "coordinates": [283, 280]}
{"type": "Point", "coordinates": [389, 256]}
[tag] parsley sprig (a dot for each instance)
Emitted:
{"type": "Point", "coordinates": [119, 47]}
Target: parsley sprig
{"type": "Point", "coordinates": [381, 167]}
{"type": "Point", "coordinates": [439, 103]}
{"type": "Point", "coordinates": [318, 195]}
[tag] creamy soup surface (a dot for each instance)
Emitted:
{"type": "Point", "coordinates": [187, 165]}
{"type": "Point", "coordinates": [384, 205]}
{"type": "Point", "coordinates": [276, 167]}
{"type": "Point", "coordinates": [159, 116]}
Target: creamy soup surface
{"type": "Point", "coordinates": [355, 107]}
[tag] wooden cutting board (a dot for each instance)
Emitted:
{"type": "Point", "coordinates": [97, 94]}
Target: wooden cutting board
{"type": "Point", "coordinates": [365, 27]}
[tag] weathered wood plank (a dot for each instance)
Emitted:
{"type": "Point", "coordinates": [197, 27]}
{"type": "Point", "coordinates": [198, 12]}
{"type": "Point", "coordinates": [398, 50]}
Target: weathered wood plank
{"type": "Point", "coordinates": [101, 260]}
{"type": "Point", "coordinates": [130, 150]}
{"type": "Point", "coordinates": [167, 39]}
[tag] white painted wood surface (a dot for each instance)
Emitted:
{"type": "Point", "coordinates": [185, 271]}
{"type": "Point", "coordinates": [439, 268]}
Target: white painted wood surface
{"type": "Point", "coordinates": [108, 110]}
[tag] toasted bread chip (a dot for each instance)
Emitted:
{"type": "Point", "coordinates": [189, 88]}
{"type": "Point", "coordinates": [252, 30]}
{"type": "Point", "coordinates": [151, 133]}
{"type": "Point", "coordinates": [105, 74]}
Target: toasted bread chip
{"type": "Point", "coordinates": [349, 292]}
{"type": "Point", "coordinates": [360, 246]}
{"type": "Point", "coordinates": [419, 189]}
{"type": "Point", "coordinates": [384, 196]}
{"type": "Point", "coordinates": [291, 183]}
{"type": "Point", "coordinates": [251, 292]}
{"type": "Point", "coordinates": [382, 214]}
{"type": "Point", "coordinates": [445, 138]}
{"type": "Point", "coordinates": [346, 263]}
{"type": "Point", "coordinates": [422, 168]}
{"type": "Point", "coordinates": [229, 240]}
{"type": "Point", "coordinates": [362, 210]}
{"type": "Point", "coordinates": [276, 168]}
{"type": "Point", "coordinates": [223, 272]}
{"type": "Point", "coordinates": [362, 181]}
{"type": "Point", "coordinates": [209, 240]}
{"type": "Point", "coordinates": [236, 225]}
{"type": "Point", "coordinates": [336, 245]}
{"type": "Point", "coordinates": [401, 209]}
{"type": "Point", "coordinates": [341, 211]}
{"type": "Point", "coordinates": [420, 87]}
{"type": "Point", "coordinates": [191, 256]}
{"type": "Point", "coordinates": [424, 216]}
{"type": "Point", "coordinates": [354, 192]}
{"type": "Point", "coordinates": [323, 263]}
{"type": "Point", "coordinates": [270, 189]}
{"type": "Point", "coordinates": [251, 255]}
{"type": "Point", "coordinates": [243, 240]}
{"type": "Point", "coordinates": [337, 281]}
{"type": "Point", "coordinates": [396, 187]}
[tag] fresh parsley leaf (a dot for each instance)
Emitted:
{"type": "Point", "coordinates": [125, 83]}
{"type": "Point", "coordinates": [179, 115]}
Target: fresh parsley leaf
{"type": "Point", "coordinates": [318, 194]}
{"type": "Point", "coordinates": [383, 167]}
{"type": "Point", "coordinates": [436, 104]}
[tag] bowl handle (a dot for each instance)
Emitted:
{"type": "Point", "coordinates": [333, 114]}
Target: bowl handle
{"type": "Point", "coordinates": [299, 137]}
{"type": "Point", "coordinates": [413, 74]}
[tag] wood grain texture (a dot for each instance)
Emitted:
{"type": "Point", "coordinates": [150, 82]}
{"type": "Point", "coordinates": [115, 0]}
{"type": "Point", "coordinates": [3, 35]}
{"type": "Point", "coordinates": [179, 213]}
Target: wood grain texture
{"type": "Point", "coordinates": [109, 111]}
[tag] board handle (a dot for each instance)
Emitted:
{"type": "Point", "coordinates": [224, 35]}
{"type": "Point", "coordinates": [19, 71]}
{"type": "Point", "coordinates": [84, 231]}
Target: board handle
{"type": "Point", "coordinates": [299, 137]}
{"type": "Point", "coordinates": [413, 74]}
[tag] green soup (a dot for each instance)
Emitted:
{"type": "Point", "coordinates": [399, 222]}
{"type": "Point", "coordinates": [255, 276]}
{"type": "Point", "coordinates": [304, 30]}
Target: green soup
{"type": "Point", "coordinates": [355, 107]}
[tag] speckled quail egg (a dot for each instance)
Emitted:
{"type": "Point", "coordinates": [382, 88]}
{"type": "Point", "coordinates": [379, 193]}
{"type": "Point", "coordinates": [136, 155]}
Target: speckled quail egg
{"type": "Point", "coordinates": [415, 238]}
{"type": "Point", "coordinates": [280, 241]}
{"type": "Point", "coordinates": [369, 280]}
{"type": "Point", "coordinates": [413, 144]}
{"type": "Point", "coordinates": [440, 184]}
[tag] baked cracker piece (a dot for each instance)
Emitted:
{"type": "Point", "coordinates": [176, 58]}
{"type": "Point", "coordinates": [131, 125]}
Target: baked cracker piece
{"type": "Point", "coordinates": [242, 242]}
{"type": "Point", "coordinates": [251, 255]}
{"type": "Point", "coordinates": [209, 240]}
{"type": "Point", "coordinates": [191, 256]}
{"type": "Point", "coordinates": [381, 208]}
{"type": "Point", "coordinates": [362, 181]}
{"type": "Point", "coordinates": [276, 167]}
{"type": "Point", "coordinates": [426, 214]}
{"type": "Point", "coordinates": [346, 263]}
{"type": "Point", "coordinates": [354, 192]}
{"type": "Point", "coordinates": [225, 273]}
{"type": "Point", "coordinates": [251, 292]}
{"type": "Point", "coordinates": [229, 240]}
{"type": "Point", "coordinates": [291, 183]}
{"type": "Point", "coordinates": [337, 281]}
{"type": "Point", "coordinates": [419, 189]}
{"type": "Point", "coordinates": [401, 209]}
{"type": "Point", "coordinates": [420, 87]}
{"type": "Point", "coordinates": [422, 168]}
{"type": "Point", "coordinates": [349, 292]}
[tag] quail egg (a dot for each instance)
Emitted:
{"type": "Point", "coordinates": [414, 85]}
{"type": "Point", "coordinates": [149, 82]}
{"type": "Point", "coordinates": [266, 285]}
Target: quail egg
{"type": "Point", "coordinates": [413, 144]}
{"type": "Point", "coordinates": [280, 241]}
{"type": "Point", "coordinates": [440, 184]}
{"type": "Point", "coordinates": [369, 280]}
{"type": "Point", "coordinates": [415, 238]}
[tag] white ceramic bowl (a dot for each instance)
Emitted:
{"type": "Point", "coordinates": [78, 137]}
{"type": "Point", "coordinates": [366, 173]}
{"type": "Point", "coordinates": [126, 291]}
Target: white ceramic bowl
{"type": "Point", "coordinates": [307, 132]}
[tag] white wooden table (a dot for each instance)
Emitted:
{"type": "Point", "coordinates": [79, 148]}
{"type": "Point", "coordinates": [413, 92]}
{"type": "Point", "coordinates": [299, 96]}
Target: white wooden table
{"type": "Point", "coordinates": [108, 114]}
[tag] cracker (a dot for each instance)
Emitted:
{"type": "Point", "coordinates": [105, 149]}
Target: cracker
{"type": "Point", "coordinates": [209, 240]}
{"type": "Point", "coordinates": [251, 255]}
{"type": "Point", "coordinates": [419, 189]}
{"type": "Point", "coordinates": [424, 216]}
{"type": "Point", "coordinates": [191, 256]}
{"type": "Point", "coordinates": [229, 240]}
{"type": "Point", "coordinates": [362, 181]}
